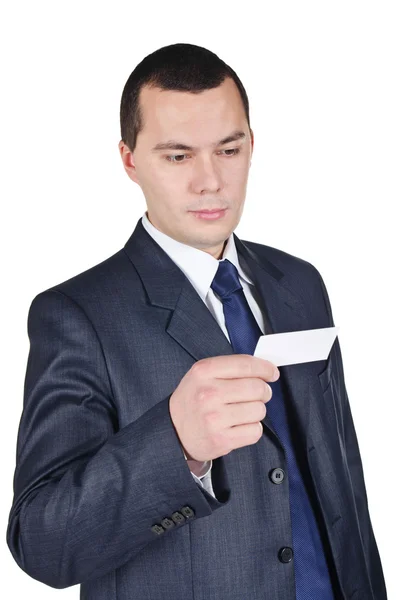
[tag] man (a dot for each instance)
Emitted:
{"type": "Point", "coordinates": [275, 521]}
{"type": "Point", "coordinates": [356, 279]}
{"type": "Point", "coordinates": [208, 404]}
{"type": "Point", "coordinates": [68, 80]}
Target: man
{"type": "Point", "coordinates": [157, 458]}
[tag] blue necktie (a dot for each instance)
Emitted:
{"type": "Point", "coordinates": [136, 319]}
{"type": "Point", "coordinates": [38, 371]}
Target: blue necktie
{"type": "Point", "coordinates": [312, 578]}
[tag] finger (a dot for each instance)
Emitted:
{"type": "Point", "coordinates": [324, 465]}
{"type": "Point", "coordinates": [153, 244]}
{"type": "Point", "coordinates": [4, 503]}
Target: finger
{"type": "Point", "coordinates": [244, 390]}
{"type": "Point", "coordinates": [238, 365]}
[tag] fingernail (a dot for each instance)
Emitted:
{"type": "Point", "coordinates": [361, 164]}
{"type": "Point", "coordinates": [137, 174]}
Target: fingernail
{"type": "Point", "coordinates": [276, 375]}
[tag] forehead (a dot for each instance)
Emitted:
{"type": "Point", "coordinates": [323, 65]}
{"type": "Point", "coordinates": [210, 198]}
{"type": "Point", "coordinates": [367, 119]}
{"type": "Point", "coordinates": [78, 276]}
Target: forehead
{"type": "Point", "coordinates": [166, 111]}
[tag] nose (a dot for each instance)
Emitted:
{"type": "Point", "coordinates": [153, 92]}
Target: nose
{"type": "Point", "coordinates": [205, 176]}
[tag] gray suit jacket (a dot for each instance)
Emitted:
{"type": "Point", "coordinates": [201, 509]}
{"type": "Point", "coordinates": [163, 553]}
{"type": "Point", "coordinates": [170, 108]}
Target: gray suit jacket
{"type": "Point", "coordinates": [103, 495]}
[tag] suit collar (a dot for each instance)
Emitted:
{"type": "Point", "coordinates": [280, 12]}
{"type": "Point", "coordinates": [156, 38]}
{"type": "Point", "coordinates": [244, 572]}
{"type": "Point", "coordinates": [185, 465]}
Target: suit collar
{"type": "Point", "coordinates": [167, 286]}
{"type": "Point", "coordinates": [198, 266]}
{"type": "Point", "coordinates": [155, 268]}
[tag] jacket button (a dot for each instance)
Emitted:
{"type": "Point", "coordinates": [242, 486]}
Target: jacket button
{"type": "Point", "coordinates": [277, 475]}
{"type": "Point", "coordinates": [157, 529]}
{"type": "Point", "coordinates": [285, 554]}
{"type": "Point", "coordinates": [187, 512]}
{"type": "Point", "coordinates": [167, 523]}
{"type": "Point", "coordinates": [178, 518]}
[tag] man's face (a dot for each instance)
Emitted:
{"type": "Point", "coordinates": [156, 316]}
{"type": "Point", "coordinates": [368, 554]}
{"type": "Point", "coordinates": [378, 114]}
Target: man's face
{"type": "Point", "coordinates": [176, 182]}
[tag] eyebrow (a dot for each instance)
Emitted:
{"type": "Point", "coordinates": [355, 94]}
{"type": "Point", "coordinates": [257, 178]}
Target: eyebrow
{"type": "Point", "coordinates": [172, 145]}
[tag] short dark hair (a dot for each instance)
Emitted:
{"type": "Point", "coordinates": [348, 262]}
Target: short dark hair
{"type": "Point", "coordinates": [181, 67]}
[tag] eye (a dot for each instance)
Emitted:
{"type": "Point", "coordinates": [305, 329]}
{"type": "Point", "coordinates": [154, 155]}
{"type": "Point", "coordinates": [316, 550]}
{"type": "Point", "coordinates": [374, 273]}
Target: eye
{"type": "Point", "coordinates": [235, 150]}
{"type": "Point", "coordinates": [171, 157]}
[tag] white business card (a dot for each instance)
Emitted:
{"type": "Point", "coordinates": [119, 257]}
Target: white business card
{"type": "Point", "coordinates": [296, 347]}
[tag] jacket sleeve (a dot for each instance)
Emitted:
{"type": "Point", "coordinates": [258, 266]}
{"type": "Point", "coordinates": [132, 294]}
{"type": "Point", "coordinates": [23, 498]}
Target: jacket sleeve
{"type": "Point", "coordinates": [356, 471]}
{"type": "Point", "coordinates": [88, 495]}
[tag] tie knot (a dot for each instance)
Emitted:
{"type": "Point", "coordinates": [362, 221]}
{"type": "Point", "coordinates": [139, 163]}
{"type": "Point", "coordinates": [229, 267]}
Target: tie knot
{"type": "Point", "coordinates": [226, 279]}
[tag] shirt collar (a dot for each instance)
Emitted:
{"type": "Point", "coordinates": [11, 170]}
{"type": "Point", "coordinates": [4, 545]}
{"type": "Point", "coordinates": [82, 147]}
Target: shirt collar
{"type": "Point", "coordinates": [198, 266]}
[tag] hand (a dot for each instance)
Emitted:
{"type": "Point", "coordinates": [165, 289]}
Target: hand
{"type": "Point", "coordinates": [219, 404]}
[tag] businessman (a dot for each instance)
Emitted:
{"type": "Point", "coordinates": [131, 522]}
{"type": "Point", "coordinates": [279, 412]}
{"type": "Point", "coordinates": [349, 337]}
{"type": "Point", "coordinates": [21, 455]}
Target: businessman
{"type": "Point", "coordinates": [157, 458]}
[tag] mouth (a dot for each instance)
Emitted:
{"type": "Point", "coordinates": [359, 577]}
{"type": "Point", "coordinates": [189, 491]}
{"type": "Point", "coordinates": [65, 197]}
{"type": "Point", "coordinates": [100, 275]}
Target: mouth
{"type": "Point", "coordinates": [209, 215]}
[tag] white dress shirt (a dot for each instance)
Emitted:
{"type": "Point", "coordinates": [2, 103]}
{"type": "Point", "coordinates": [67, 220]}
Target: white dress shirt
{"type": "Point", "coordinates": [200, 268]}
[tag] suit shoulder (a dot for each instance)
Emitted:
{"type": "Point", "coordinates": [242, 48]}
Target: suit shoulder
{"type": "Point", "coordinates": [100, 280]}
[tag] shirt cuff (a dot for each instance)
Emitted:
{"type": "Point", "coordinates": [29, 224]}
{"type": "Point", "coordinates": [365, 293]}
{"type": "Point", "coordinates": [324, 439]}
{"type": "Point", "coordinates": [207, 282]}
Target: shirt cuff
{"type": "Point", "coordinates": [207, 466]}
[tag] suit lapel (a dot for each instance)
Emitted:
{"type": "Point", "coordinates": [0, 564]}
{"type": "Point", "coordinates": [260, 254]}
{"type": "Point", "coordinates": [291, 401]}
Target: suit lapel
{"type": "Point", "coordinates": [282, 310]}
{"type": "Point", "coordinates": [192, 325]}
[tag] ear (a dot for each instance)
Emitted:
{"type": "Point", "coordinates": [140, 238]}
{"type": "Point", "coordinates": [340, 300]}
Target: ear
{"type": "Point", "coordinates": [128, 161]}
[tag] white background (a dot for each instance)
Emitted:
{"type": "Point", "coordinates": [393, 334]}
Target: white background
{"type": "Point", "coordinates": [321, 80]}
